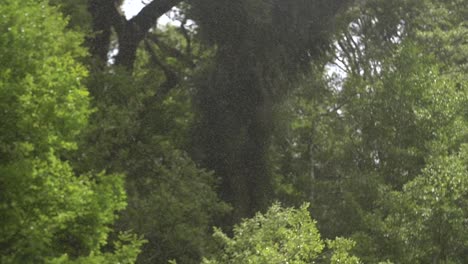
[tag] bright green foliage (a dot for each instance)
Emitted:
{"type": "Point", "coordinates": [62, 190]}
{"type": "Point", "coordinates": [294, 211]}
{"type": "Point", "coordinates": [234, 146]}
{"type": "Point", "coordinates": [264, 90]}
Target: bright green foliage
{"type": "Point", "coordinates": [281, 235]}
{"type": "Point", "coordinates": [47, 211]}
{"type": "Point", "coordinates": [341, 248]}
{"type": "Point", "coordinates": [126, 250]}
{"type": "Point", "coordinates": [48, 214]}
{"type": "Point", "coordinates": [44, 104]}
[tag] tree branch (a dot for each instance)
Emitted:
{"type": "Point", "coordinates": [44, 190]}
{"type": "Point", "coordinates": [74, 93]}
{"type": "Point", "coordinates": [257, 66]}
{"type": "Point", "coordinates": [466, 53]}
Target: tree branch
{"type": "Point", "coordinates": [171, 77]}
{"type": "Point", "coordinates": [172, 52]}
{"type": "Point", "coordinates": [101, 25]}
{"type": "Point", "coordinates": [135, 30]}
{"type": "Point", "coordinates": [151, 12]}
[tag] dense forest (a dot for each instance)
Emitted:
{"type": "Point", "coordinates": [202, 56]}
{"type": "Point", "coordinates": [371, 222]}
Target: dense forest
{"type": "Point", "coordinates": [243, 131]}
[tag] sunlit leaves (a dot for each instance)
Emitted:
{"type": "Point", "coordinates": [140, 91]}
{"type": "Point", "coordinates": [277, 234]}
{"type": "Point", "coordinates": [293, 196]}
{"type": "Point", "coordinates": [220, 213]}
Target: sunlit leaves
{"type": "Point", "coordinates": [41, 94]}
{"type": "Point", "coordinates": [49, 214]}
{"type": "Point", "coordinates": [48, 211]}
{"type": "Point", "coordinates": [281, 235]}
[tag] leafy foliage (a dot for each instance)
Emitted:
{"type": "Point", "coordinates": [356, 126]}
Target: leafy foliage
{"type": "Point", "coordinates": [429, 216]}
{"type": "Point", "coordinates": [262, 46]}
{"type": "Point", "coordinates": [45, 103]}
{"type": "Point", "coordinates": [49, 214]}
{"type": "Point", "coordinates": [358, 107]}
{"type": "Point", "coordinates": [281, 235]}
{"type": "Point", "coordinates": [351, 138]}
{"type": "Point", "coordinates": [172, 202]}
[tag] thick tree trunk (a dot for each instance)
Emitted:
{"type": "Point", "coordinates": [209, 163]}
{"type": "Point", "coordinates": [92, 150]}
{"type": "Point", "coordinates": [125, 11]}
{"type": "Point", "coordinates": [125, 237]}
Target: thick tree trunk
{"type": "Point", "coordinates": [234, 132]}
{"type": "Point", "coordinates": [129, 39]}
{"type": "Point", "coordinates": [99, 42]}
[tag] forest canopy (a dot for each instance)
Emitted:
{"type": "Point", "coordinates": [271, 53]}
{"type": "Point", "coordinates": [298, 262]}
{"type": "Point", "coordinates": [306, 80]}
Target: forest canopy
{"type": "Point", "coordinates": [246, 131]}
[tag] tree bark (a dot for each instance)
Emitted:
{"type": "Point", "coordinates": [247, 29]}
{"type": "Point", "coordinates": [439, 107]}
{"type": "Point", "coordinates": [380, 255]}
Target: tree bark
{"type": "Point", "coordinates": [99, 42]}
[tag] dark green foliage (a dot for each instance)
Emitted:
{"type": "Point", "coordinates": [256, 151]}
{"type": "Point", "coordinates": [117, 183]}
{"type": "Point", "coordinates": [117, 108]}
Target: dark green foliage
{"type": "Point", "coordinates": [261, 46]}
{"type": "Point", "coordinates": [76, 12]}
{"type": "Point", "coordinates": [358, 136]}
{"type": "Point", "coordinates": [172, 202]}
{"type": "Point", "coordinates": [429, 216]}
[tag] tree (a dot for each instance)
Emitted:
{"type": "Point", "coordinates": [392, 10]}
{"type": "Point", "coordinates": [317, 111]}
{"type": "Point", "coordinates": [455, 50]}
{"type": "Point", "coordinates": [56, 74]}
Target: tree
{"type": "Point", "coordinates": [443, 34]}
{"type": "Point", "coordinates": [429, 216]}
{"type": "Point", "coordinates": [353, 138]}
{"type": "Point", "coordinates": [106, 17]}
{"type": "Point", "coordinates": [253, 37]}
{"type": "Point", "coordinates": [261, 47]}
{"type": "Point", "coordinates": [140, 128]}
{"type": "Point", "coordinates": [238, 102]}
{"type": "Point", "coordinates": [281, 235]}
{"type": "Point", "coordinates": [49, 214]}
{"type": "Point", "coordinates": [234, 115]}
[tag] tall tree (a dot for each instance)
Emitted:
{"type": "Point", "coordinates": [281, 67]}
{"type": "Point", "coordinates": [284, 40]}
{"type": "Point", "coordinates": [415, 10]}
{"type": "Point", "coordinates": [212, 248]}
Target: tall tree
{"type": "Point", "coordinates": [374, 126]}
{"type": "Point", "coordinates": [140, 128]}
{"type": "Point", "coordinates": [261, 47]}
